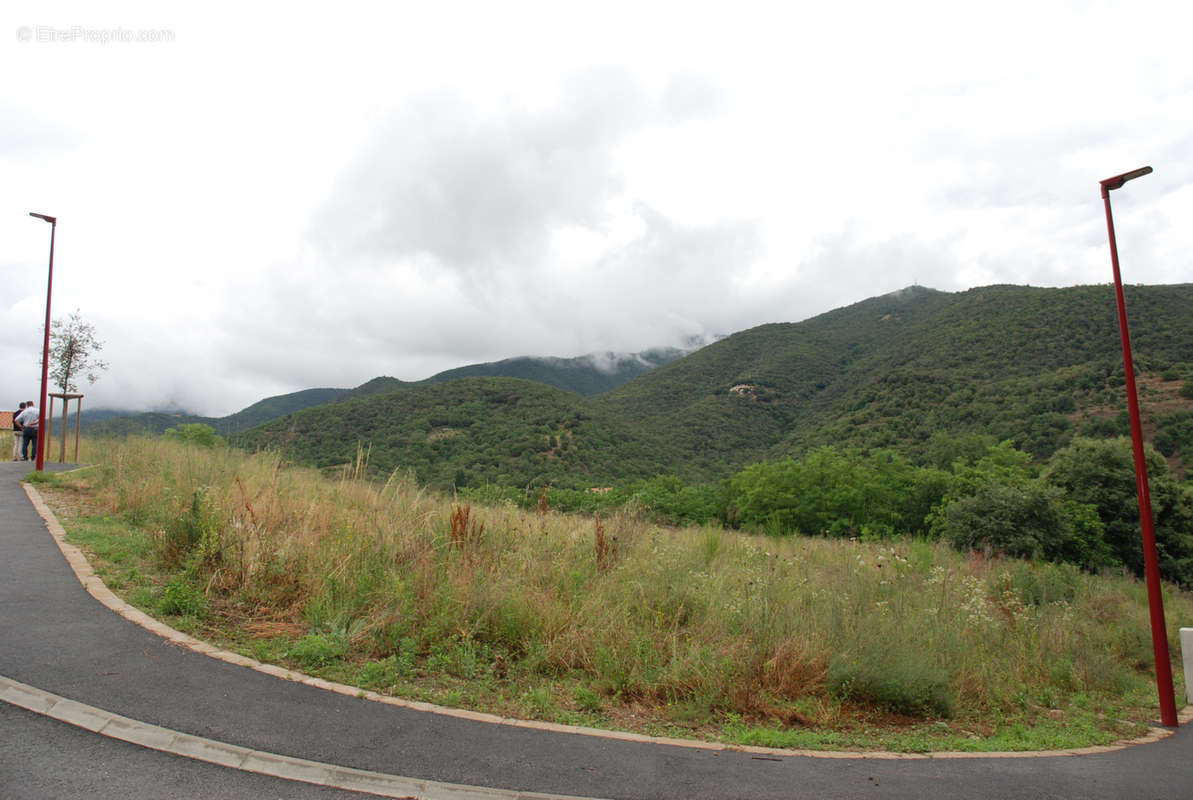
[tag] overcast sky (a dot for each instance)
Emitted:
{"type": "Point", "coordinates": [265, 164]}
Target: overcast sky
{"type": "Point", "coordinates": [255, 199]}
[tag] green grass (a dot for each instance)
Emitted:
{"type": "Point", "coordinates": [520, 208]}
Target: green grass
{"type": "Point", "coordinates": [121, 556]}
{"type": "Point", "coordinates": [807, 643]}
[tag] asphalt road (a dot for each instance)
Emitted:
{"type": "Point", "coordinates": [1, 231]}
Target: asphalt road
{"type": "Point", "coordinates": [43, 759]}
{"type": "Point", "coordinates": [56, 637]}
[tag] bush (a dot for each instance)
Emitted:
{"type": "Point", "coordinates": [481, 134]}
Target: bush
{"type": "Point", "coordinates": [1018, 520]}
{"type": "Point", "coordinates": [197, 529]}
{"type": "Point", "coordinates": [1027, 520]}
{"type": "Point", "coordinates": [319, 649]}
{"type": "Point", "coordinates": [1101, 474]}
{"type": "Point", "coordinates": [669, 498]}
{"type": "Point", "coordinates": [1175, 434]}
{"type": "Point", "coordinates": [892, 678]}
{"type": "Point", "coordinates": [840, 494]}
{"type": "Point", "coordinates": [195, 433]}
{"type": "Point", "coordinates": [182, 598]}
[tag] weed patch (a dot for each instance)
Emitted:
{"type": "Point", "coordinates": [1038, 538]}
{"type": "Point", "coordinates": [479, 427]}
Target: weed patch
{"type": "Point", "coordinates": [317, 650]}
{"type": "Point", "coordinates": [182, 598]}
{"type": "Point", "coordinates": [900, 681]}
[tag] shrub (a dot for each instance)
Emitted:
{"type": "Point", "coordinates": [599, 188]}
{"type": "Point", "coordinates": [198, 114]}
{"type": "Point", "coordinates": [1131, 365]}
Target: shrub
{"type": "Point", "coordinates": [195, 433]}
{"type": "Point", "coordinates": [182, 598]}
{"type": "Point", "coordinates": [1029, 520]}
{"type": "Point", "coordinates": [195, 529]}
{"type": "Point", "coordinates": [1041, 584]}
{"type": "Point", "coordinates": [669, 498]}
{"type": "Point", "coordinates": [894, 678]}
{"type": "Point", "coordinates": [381, 674]}
{"type": "Point", "coordinates": [319, 649]}
{"type": "Point", "coordinates": [587, 700]}
{"type": "Point", "coordinates": [840, 494]}
{"type": "Point", "coordinates": [1101, 474]}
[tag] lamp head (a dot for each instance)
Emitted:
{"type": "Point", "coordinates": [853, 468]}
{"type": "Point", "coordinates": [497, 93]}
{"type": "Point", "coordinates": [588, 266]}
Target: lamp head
{"type": "Point", "coordinates": [46, 217]}
{"type": "Point", "coordinates": [1119, 180]}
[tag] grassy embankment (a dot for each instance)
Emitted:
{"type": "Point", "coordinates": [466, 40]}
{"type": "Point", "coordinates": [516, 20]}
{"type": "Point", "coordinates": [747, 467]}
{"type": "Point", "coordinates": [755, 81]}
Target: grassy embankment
{"type": "Point", "coordinates": [791, 642]}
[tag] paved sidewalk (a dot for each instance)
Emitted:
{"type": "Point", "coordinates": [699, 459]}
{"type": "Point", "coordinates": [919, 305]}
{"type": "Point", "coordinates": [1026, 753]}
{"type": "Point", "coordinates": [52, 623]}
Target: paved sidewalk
{"type": "Point", "coordinates": [57, 638]}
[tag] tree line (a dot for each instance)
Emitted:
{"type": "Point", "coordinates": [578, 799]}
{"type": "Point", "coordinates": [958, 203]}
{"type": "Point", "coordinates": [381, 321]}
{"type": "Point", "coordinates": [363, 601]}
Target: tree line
{"type": "Point", "coordinates": [1078, 506]}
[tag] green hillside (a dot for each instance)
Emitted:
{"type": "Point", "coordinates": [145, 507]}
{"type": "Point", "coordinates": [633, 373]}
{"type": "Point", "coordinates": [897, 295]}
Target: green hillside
{"type": "Point", "coordinates": [1037, 366]}
{"type": "Point", "coordinates": [731, 402]}
{"type": "Point", "coordinates": [1032, 365]}
{"type": "Point", "coordinates": [465, 432]}
{"type": "Point", "coordinates": [274, 407]}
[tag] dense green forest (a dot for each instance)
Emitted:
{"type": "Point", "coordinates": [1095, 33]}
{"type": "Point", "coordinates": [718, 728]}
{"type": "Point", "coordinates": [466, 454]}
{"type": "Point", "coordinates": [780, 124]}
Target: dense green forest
{"type": "Point", "coordinates": [465, 432]}
{"type": "Point", "coordinates": [1037, 366]}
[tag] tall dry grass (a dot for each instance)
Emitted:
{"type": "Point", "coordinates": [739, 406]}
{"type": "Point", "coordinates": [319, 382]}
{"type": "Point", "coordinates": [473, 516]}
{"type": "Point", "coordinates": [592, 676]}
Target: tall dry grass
{"type": "Point", "coordinates": [788, 628]}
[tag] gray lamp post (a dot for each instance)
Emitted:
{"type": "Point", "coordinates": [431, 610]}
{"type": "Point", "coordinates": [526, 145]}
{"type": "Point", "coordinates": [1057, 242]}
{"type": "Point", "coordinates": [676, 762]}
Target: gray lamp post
{"type": "Point", "coordinates": [45, 350]}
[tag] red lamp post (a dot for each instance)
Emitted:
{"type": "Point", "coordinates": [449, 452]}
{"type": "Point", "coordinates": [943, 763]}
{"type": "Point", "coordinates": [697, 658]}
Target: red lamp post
{"type": "Point", "coordinates": [1150, 559]}
{"type": "Point", "coordinates": [45, 351]}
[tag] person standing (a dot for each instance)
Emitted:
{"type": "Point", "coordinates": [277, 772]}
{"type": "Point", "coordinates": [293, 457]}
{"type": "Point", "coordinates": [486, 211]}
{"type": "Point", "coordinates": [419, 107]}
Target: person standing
{"type": "Point", "coordinates": [28, 419]}
{"type": "Point", "coordinates": [16, 434]}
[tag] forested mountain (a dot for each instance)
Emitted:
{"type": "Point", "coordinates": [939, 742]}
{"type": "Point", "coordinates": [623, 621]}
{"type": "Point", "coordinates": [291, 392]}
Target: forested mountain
{"type": "Point", "coordinates": [274, 407]}
{"type": "Point", "coordinates": [464, 432]}
{"type": "Point", "coordinates": [1034, 365]}
{"type": "Point", "coordinates": [1024, 363]}
{"type": "Point", "coordinates": [585, 375]}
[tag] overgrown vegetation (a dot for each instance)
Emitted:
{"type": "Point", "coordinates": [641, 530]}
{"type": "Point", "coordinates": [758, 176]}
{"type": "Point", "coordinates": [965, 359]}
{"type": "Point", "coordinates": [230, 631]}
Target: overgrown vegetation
{"type": "Point", "coordinates": [1078, 507]}
{"type": "Point", "coordinates": [619, 621]}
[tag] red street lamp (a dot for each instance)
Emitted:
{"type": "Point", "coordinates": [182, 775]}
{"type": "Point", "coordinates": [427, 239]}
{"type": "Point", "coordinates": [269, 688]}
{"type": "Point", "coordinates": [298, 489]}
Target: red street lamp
{"type": "Point", "coordinates": [1151, 561]}
{"type": "Point", "coordinates": [45, 350]}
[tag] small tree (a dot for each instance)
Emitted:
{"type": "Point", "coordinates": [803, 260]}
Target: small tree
{"type": "Point", "coordinates": [194, 433]}
{"type": "Point", "coordinates": [73, 349]}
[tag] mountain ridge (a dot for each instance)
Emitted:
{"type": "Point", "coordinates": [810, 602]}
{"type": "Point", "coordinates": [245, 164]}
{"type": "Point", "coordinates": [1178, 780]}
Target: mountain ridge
{"type": "Point", "coordinates": [585, 375]}
{"type": "Point", "coordinates": [1037, 366]}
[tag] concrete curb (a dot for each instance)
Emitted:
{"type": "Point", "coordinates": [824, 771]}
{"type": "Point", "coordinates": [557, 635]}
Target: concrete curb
{"type": "Point", "coordinates": [96, 588]}
{"type": "Point", "coordinates": [165, 740]}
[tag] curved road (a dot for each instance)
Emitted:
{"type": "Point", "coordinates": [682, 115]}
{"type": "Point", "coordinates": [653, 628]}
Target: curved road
{"type": "Point", "coordinates": [55, 637]}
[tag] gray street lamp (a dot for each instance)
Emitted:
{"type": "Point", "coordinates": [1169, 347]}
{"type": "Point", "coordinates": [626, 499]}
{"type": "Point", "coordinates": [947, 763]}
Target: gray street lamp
{"type": "Point", "coordinates": [45, 350]}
